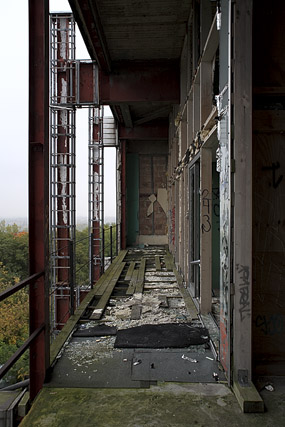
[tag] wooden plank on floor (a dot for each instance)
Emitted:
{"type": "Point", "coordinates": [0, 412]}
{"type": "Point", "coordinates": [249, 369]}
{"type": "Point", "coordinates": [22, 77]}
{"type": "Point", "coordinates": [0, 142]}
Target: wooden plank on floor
{"type": "Point", "coordinates": [100, 307]}
{"type": "Point", "coordinates": [104, 280]}
{"type": "Point", "coordinates": [140, 281]}
{"type": "Point", "coordinates": [157, 263]}
{"type": "Point", "coordinates": [168, 262]}
{"type": "Point", "coordinates": [61, 338]}
{"type": "Point", "coordinates": [133, 283]}
{"type": "Point", "coordinates": [130, 270]}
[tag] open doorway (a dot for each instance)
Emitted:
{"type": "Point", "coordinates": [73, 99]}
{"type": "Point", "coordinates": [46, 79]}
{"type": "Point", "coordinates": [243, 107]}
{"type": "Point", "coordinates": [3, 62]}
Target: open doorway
{"type": "Point", "coordinates": [194, 232]}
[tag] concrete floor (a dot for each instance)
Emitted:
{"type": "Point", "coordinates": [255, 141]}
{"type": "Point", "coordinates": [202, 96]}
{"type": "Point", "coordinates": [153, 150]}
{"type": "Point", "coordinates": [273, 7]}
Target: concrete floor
{"type": "Point", "coordinates": [167, 404]}
{"type": "Point", "coordinates": [114, 398]}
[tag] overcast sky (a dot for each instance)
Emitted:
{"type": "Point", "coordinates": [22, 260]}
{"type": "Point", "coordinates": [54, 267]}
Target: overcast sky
{"type": "Point", "coordinates": [14, 118]}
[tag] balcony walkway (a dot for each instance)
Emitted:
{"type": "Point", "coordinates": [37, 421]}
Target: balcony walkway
{"type": "Point", "coordinates": [97, 380]}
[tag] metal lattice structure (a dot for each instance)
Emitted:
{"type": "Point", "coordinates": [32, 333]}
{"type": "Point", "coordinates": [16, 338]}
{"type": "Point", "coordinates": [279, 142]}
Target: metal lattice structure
{"type": "Point", "coordinates": [96, 193]}
{"type": "Point", "coordinates": [62, 166]}
{"type": "Point", "coordinates": [65, 95]}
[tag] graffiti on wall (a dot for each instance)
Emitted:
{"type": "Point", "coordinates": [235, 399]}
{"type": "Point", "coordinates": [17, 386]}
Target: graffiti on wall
{"type": "Point", "coordinates": [274, 168]}
{"type": "Point", "coordinates": [225, 206]}
{"type": "Point", "coordinates": [272, 324]}
{"type": "Point", "coordinates": [244, 291]}
{"type": "Point", "coordinates": [206, 210]}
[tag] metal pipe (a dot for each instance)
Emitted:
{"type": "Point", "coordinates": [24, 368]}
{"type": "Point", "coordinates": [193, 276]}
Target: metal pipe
{"type": "Point", "coordinates": [111, 244]}
{"type": "Point", "coordinates": [103, 251]}
{"type": "Point", "coordinates": [117, 241]}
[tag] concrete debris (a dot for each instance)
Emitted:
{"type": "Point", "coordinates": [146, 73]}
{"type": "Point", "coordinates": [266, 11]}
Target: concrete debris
{"type": "Point", "coordinates": [215, 376]}
{"type": "Point", "coordinates": [151, 279]}
{"type": "Point", "coordinates": [149, 273]}
{"type": "Point", "coordinates": [269, 387]}
{"type": "Point", "coordinates": [189, 359]}
{"type": "Point", "coordinates": [152, 312]}
{"type": "Point", "coordinates": [83, 352]}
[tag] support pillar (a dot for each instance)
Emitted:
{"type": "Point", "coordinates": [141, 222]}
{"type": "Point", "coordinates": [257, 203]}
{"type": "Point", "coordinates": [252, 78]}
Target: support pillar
{"type": "Point", "coordinates": [247, 395]}
{"type": "Point", "coordinates": [206, 232]}
{"type": "Point", "coordinates": [123, 194]}
{"type": "Point", "coordinates": [38, 187]}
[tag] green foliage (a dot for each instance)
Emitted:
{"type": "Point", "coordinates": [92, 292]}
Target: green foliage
{"type": "Point", "coordinates": [14, 250]}
{"type": "Point", "coordinates": [14, 326]}
{"type": "Point", "coordinates": [82, 257]}
{"type": "Point", "coordinates": [82, 252]}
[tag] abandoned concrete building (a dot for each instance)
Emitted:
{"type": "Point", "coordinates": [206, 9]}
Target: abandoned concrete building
{"type": "Point", "coordinates": [196, 89]}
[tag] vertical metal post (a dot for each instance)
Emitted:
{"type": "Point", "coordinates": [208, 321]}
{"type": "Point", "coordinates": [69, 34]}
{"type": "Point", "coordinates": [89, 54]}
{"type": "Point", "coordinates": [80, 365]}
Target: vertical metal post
{"type": "Point", "coordinates": [71, 275]}
{"type": "Point", "coordinates": [96, 189]}
{"type": "Point", "coordinates": [38, 187]}
{"type": "Point", "coordinates": [117, 240]}
{"type": "Point", "coordinates": [91, 260]}
{"type": "Point", "coordinates": [111, 244]}
{"type": "Point", "coordinates": [103, 251]}
{"type": "Point", "coordinates": [123, 192]}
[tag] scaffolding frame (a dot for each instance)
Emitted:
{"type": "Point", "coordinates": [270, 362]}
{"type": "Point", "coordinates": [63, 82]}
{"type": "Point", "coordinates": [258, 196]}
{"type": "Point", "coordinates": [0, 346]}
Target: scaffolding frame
{"type": "Point", "coordinates": [96, 193]}
{"type": "Point", "coordinates": [62, 167]}
{"type": "Point", "coordinates": [65, 96]}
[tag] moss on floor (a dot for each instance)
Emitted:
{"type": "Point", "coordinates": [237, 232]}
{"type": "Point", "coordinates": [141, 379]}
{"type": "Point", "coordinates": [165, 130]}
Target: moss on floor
{"type": "Point", "coordinates": [168, 404]}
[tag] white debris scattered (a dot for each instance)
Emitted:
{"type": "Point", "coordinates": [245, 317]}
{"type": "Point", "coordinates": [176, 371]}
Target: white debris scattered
{"type": "Point", "coordinates": [189, 359]}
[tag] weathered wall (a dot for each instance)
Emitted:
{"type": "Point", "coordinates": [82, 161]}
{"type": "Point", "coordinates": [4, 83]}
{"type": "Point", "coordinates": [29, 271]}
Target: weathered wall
{"type": "Point", "coordinates": [268, 188]}
{"type": "Point", "coordinates": [151, 210]}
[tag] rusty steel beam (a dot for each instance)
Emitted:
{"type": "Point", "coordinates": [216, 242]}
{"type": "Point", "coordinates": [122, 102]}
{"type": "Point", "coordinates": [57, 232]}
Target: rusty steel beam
{"type": "Point", "coordinates": [88, 83]}
{"type": "Point", "coordinates": [149, 81]}
{"type": "Point", "coordinates": [153, 81]}
{"type": "Point", "coordinates": [152, 131]}
{"type": "Point", "coordinates": [87, 17]}
{"type": "Point", "coordinates": [38, 188]}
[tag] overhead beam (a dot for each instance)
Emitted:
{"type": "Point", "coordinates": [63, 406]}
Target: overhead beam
{"type": "Point", "coordinates": [132, 82]}
{"type": "Point", "coordinates": [157, 114]}
{"type": "Point", "coordinates": [87, 17]}
{"type": "Point", "coordinates": [126, 113]}
{"type": "Point", "coordinates": [149, 131]}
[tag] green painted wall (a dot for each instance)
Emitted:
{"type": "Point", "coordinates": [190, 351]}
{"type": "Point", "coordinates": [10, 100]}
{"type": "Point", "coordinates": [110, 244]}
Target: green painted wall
{"type": "Point", "coordinates": [132, 199]}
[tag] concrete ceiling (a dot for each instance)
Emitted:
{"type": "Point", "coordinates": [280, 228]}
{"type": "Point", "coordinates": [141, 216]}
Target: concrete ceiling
{"type": "Point", "coordinates": [127, 31]}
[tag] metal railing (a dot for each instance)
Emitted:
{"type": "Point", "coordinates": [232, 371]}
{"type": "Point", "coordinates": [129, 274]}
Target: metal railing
{"type": "Point", "coordinates": [109, 251]}
{"type": "Point", "coordinates": [6, 294]}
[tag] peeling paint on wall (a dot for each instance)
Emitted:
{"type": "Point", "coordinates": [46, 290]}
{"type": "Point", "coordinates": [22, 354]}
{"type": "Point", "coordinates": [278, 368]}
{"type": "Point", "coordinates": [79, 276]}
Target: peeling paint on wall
{"type": "Point", "coordinates": [152, 199]}
{"type": "Point", "coordinates": [162, 198]}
